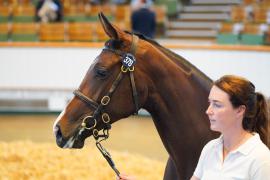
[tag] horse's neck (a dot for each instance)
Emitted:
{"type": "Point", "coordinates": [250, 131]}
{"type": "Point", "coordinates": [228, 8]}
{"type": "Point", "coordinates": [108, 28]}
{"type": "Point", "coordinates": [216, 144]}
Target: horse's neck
{"type": "Point", "coordinates": [177, 103]}
{"type": "Point", "coordinates": [178, 109]}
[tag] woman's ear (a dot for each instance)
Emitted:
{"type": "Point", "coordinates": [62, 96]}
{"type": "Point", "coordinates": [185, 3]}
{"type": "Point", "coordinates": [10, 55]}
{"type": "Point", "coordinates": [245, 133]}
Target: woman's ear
{"type": "Point", "coordinates": [241, 110]}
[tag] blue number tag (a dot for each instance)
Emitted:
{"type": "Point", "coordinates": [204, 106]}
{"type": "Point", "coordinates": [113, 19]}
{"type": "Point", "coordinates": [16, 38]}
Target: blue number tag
{"type": "Point", "coordinates": [128, 60]}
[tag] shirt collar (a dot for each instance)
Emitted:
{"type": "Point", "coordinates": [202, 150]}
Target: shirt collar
{"type": "Point", "coordinates": [244, 149]}
{"type": "Point", "coordinates": [249, 145]}
{"type": "Point", "coordinates": [219, 145]}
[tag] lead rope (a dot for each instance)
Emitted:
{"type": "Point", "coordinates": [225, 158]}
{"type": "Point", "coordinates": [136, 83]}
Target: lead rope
{"type": "Point", "coordinates": [108, 157]}
{"type": "Point", "coordinates": [104, 152]}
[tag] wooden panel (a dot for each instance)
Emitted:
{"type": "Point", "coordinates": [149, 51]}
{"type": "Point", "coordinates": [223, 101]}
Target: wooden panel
{"type": "Point", "coordinates": [5, 10]}
{"type": "Point", "coordinates": [265, 3]}
{"type": "Point", "coordinates": [122, 25]}
{"type": "Point", "coordinates": [25, 2]}
{"type": "Point", "coordinates": [24, 28]}
{"type": "Point", "coordinates": [52, 32]}
{"type": "Point", "coordinates": [260, 14]}
{"type": "Point", "coordinates": [8, 2]}
{"type": "Point", "coordinates": [251, 29]}
{"type": "Point", "coordinates": [80, 32]}
{"type": "Point", "coordinates": [100, 34]}
{"type": "Point", "coordinates": [74, 10]}
{"type": "Point", "coordinates": [4, 28]}
{"type": "Point", "coordinates": [107, 10]}
{"type": "Point", "coordinates": [250, 1]}
{"type": "Point", "coordinates": [238, 14]}
{"type": "Point", "coordinates": [122, 13]}
{"type": "Point", "coordinates": [226, 28]}
{"type": "Point", "coordinates": [93, 10]}
{"type": "Point", "coordinates": [24, 10]}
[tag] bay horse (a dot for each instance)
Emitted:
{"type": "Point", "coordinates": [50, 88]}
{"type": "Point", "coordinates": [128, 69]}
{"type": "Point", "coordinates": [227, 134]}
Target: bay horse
{"type": "Point", "coordinates": [134, 72]}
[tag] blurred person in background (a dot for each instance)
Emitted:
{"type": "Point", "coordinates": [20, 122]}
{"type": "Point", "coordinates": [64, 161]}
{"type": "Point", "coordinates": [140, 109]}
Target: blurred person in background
{"type": "Point", "coordinates": [49, 11]}
{"type": "Point", "coordinates": [143, 19]}
{"type": "Point", "coordinates": [137, 4]}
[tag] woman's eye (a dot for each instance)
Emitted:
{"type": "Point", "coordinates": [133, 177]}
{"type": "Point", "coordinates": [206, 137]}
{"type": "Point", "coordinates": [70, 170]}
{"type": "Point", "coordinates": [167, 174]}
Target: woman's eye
{"type": "Point", "coordinates": [101, 73]}
{"type": "Point", "coordinates": [216, 105]}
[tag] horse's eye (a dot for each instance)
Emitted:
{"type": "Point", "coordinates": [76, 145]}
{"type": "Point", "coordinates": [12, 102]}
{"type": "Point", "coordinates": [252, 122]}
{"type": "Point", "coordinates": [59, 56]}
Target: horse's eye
{"type": "Point", "coordinates": [101, 73]}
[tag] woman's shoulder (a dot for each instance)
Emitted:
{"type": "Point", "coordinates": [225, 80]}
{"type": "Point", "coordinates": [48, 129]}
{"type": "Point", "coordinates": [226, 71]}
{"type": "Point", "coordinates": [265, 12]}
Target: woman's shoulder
{"type": "Point", "coordinates": [212, 144]}
{"type": "Point", "coordinates": [260, 160]}
{"type": "Point", "coordinates": [215, 142]}
{"type": "Point", "coordinates": [260, 152]}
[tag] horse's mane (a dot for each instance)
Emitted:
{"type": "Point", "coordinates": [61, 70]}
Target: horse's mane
{"type": "Point", "coordinates": [179, 60]}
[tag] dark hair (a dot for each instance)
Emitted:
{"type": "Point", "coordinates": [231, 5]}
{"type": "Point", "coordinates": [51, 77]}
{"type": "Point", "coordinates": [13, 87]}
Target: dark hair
{"type": "Point", "coordinates": [242, 92]}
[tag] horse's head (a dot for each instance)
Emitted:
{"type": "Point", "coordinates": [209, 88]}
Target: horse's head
{"type": "Point", "coordinates": [113, 88]}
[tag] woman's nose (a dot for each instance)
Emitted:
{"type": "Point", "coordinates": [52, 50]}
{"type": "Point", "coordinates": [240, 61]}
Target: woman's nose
{"type": "Point", "coordinates": [209, 110]}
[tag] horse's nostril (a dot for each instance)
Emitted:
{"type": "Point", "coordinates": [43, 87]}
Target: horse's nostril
{"type": "Point", "coordinates": [57, 132]}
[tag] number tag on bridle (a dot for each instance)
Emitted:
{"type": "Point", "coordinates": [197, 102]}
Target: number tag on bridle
{"type": "Point", "coordinates": [128, 60]}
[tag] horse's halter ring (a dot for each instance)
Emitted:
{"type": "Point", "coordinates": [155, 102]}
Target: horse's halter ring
{"type": "Point", "coordinates": [128, 63]}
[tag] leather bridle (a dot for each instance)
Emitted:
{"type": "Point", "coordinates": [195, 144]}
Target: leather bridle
{"type": "Point", "coordinates": [89, 122]}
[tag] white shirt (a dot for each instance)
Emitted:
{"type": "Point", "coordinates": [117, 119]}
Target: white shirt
{"type": "Point", "coordinates": [250, 161]}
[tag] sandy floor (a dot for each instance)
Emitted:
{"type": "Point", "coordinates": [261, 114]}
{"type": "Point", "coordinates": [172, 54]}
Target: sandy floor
{"type": "Point", "coordinates": [134, 135]}
{"type": "Point", "coordinates": [25, 160]}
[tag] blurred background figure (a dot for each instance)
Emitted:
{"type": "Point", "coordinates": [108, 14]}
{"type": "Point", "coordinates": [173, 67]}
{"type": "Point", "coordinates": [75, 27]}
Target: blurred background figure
{"type": "Point", "coordinates": [143, 19]}
{"type": "Point", "coordinates": [137, 4]}
{"type": "Point", "coordinates": [49, 11]}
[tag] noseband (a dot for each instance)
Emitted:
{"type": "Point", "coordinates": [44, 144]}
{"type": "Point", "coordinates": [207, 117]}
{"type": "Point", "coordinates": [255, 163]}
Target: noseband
{"type": "Point", "coordinates": [90, 121]}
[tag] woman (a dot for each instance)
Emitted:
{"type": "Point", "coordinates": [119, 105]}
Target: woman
{"type": "Point", "coordinates": [240, 115]}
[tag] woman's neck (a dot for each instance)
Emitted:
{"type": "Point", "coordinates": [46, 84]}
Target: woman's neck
{"type": "Point", "coordinates": [233, 140]}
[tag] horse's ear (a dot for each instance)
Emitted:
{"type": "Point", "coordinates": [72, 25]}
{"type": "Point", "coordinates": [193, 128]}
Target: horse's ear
{"type": "Point", "coordinates": [108, 27]}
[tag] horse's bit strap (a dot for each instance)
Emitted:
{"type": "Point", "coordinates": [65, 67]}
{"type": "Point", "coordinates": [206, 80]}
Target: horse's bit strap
{"type": "Point", "coordinates": [126, 67]}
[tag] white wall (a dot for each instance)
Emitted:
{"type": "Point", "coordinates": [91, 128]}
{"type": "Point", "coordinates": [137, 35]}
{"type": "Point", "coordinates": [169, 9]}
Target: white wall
{"type": "Point", "coordinates": [64, 68]}
{"type": "Point", "coordinates": [54, 68]}
{"type": "Point", "coordinates": [253, 65]}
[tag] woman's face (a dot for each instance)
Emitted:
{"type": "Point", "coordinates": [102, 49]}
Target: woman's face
{"type": "Point", "coordinates": [221, 113]}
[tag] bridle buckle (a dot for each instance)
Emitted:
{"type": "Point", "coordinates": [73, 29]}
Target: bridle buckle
{"type": "Point", "coordinates": [105, 100]}
{"type": "Point", "coordinates": [105, 118]}
{"type": "Point", "coordinates": [125, 69]}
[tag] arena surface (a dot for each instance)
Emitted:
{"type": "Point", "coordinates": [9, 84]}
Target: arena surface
{"type": "Point", "coordinates": [28, 151]}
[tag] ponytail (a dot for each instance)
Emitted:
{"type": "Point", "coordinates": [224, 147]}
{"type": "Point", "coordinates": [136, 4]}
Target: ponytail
{"type": "Point", "coordinates": [261, 118]}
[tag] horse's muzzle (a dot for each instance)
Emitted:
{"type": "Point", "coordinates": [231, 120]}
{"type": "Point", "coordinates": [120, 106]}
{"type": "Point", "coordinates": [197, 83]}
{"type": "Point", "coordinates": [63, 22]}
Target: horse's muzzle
{"type": "Point", "coordinates": [71, 142]}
